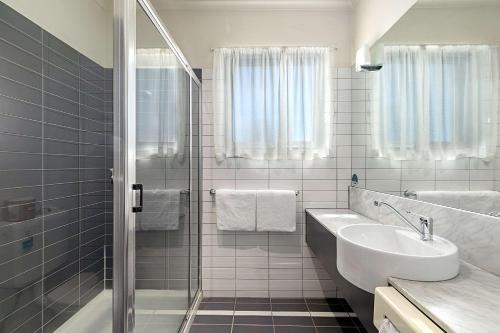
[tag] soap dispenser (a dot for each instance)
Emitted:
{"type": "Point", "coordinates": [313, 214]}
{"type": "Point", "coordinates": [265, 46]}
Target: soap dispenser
{"type": "Point", "coordinates": [354, 180]}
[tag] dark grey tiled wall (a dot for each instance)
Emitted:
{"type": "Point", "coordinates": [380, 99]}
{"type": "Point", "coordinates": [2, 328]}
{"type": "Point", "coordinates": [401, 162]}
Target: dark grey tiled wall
{"type": "Point", "coordinates": [54, 115]}
{"type": "Point", "coordinates": [108, 127]}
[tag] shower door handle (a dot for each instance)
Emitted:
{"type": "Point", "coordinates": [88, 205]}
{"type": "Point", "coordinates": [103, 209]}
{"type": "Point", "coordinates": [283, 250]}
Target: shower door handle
{"type": "Point", "coordinates": [140, 188]}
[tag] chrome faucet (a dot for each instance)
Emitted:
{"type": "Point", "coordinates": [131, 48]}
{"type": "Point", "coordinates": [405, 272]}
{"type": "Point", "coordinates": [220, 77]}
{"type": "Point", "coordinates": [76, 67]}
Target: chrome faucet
{"type": "Point", "coordinates": [426, 223]}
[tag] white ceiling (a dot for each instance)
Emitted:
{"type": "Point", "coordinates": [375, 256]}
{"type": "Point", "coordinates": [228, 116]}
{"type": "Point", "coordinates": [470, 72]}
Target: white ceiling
{"type": "Point", "coordinates": [253, 4]}
{"type": "Point", "coordinates": [457, 3]}
{"type": "Point", "coordinates": [105, 4]}
{"type": "Point", "coordinates": [288, 4]}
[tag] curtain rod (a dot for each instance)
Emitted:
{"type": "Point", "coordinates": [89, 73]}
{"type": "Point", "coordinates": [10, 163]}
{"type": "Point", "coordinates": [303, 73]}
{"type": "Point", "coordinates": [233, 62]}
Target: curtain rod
{"type": "Point", "coordinates": [267, 47]}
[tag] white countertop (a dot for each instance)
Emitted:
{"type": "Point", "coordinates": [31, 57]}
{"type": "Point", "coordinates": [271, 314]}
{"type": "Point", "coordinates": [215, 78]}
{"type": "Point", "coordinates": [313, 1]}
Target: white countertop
{"type": "Point", "coordinates": [334, 219]}
{"type": "Point", "coordinates": [468, 303]}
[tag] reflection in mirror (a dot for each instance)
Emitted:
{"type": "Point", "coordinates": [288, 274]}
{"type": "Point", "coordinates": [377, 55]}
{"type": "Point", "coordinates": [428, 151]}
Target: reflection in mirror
{"type": "Point", "coordinates": [431, 122]}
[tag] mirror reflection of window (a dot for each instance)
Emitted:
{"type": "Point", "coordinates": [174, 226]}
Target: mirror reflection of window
{"type": "Point", "coordinates": [436, 102]}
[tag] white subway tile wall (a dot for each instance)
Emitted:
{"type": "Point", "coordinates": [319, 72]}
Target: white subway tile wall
{"type": "Point", "coordinates": [394, 177]}
{"type": "Point", "coordinates": [281, 265]}
{"type": "Point", "coordinates": [272, 264]}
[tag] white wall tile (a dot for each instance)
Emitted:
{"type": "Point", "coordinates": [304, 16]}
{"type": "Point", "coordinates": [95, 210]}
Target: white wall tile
{"type": "Point", "coordinates": [276, 264]}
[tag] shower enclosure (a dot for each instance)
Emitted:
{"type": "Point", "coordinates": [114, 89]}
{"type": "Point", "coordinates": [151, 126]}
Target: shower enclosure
{"type": "Point", "coordinates": [99, 170]}
{"type": "Point", "coordinates": [156, 172]}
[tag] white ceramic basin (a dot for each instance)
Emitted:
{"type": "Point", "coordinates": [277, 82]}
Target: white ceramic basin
{"type": "Point", "coordinates": [367, 254]}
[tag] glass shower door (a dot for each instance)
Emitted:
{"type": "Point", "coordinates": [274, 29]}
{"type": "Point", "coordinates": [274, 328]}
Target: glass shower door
{"type": "Point", "coordinates": [156, 187]}
{"type": "Point", "coordinates": [163, 169]}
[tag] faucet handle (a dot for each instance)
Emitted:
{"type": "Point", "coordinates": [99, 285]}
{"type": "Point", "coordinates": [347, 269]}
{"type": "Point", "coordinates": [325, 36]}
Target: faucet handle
{"type": "Point", "coordinates": [427, 227]}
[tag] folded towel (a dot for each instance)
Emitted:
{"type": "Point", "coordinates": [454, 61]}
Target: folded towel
{"type": "Point", "coordinates": [276, 211]}
{"type": "Point", "coordinates": [235, 210]}
{"type": "Point", "coordinates": [387, 327]}
{"type": "Point", "coordinates": [162, 210]}
{"type": "Point", "coordinates": [443, 198]}
{"type": "Point", "coordinates": [484, 202]}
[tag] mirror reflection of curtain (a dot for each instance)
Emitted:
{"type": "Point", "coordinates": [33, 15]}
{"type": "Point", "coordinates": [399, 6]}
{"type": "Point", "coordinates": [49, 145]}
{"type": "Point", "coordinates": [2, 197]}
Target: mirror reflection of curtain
{"type": "Point", "coordinates": [162, 106]}
{"type": "Point", "coordinates": [436, 102]}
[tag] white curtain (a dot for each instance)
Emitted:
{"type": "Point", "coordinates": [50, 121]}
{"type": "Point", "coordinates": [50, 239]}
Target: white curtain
{"type": "Point", "coordinates": [272, 103]}
{"type": "Point", "coordinates": [162, 104]}
{"type": "Point", "coordinates": [436, 102]}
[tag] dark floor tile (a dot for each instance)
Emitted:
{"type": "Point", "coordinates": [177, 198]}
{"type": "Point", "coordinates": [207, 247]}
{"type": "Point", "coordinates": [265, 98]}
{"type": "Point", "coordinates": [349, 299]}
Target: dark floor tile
{"type": "Point", "coordinates": [253, 300]}
{"type": "Point", "coordinates": [287, 300]}
{"type": "Point", "coordinates": [326, 329]}
{"type": "Point", "coordinates": [362, 329]}
{"type": "Point", "coordinates": [325, 300]}
{"type": "Point", "coordinates": [216, 306]}
{"type": "Point", "coordinates": [327, 308]}
{"type": "Point", "coordinates": [297, 321]}
{"type": "Point", "coordinates": [333, 321]}
{"type": "Point", "coordinates": [218, 300]}
{"type": "Point", "coordinates": [316, 300]}
{"type": "Point", "coordinates": [253, 307]}
{"type": "Point", "coordinates": [252, 329]}
{"type": "Point", "coordinates": [210, 329]}
{"type": "Point", "coordinates": [289, 307]}
{"type": "Point", "coordinates": [203, 319]}
{"type": "Point", "coordinates": [253, 320]}
{"type": "Point", "coordinates": [347, 307]}
{"type": "Point", "coordinates": [294, 329]}
{"type": "Point", "coordinates": [357, 322]}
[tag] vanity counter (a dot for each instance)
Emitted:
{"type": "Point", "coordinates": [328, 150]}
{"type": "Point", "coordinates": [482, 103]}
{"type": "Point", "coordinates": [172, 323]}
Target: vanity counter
{"type": "Point", "coordinates": [467, 303]}
{"type": "Point", "coordinates": [334, 219]}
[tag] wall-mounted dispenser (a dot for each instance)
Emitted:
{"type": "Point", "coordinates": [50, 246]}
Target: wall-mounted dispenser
{"type": "Point", "coordinates": [354, 180]}
{"type": "Point", "coordinates": [363, 60]}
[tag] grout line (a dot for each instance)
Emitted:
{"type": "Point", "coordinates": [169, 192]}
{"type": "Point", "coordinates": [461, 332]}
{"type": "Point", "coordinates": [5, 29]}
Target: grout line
{"type": "Point", "coordinates": [42, 34]}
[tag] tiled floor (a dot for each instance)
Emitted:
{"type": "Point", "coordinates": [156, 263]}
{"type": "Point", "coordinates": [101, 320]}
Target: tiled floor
{"type": "Point", "coordinates": [264, 315]}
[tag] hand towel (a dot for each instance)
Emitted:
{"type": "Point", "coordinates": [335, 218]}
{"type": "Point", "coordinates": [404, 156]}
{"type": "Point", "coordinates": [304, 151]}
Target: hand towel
{"type": "Point", "coordinates": [387, 327]}
{"type": "Point", "coordinates": [235, 210]}
{"type": "Point", "coordinates": [276, 210]}
{"type": "Point", "coordinates": [162, 210]}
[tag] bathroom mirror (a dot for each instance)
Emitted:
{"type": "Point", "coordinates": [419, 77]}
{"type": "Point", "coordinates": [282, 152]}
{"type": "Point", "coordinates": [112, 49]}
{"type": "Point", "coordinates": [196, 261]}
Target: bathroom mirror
{"type": "Point", "coordinates": [428, 127]}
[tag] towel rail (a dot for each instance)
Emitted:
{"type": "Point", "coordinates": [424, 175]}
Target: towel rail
{"type": "Point", "coordinates": [213, 192]}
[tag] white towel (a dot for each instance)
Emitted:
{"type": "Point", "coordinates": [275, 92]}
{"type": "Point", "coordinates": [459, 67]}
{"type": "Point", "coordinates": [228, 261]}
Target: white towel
{"type": "Point", "coordinates": [484, 202]}
{"type": "Point", "coordinates": [162, 210]}
{"type": "Point", "coordinates": [235, 210]}
{"type": "Point", "coordinates": [444, 198]}
{"type": "Point", "coordinates": [387, 327]}
{"type": "Point", "coordinates": [276, 210]}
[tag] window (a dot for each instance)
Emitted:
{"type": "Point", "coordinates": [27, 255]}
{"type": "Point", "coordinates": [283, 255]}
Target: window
{"type": "Point", "coordinates": [436, 102]}
{"type": "Point", "coordinates": [272, 103]}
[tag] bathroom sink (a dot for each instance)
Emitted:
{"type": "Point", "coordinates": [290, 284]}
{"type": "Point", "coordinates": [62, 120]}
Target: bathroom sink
{"type": "Point", "coordinates": [367, 254]}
